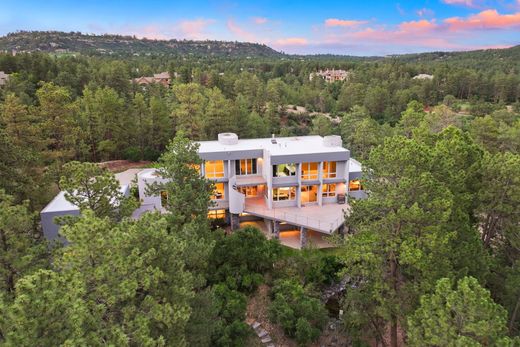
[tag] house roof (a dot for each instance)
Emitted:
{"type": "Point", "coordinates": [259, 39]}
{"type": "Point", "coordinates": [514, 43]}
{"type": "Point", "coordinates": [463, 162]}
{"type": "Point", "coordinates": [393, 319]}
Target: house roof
{"type": "Point", "coordinates": [162, 75]}
{"type": "Point", "coordinates": [61, 204]}
{"type": "Point", "coordinates": [284, 145]}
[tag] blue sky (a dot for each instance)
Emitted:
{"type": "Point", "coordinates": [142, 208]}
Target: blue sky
{"type": "Point", "coordinates": [344, 27]}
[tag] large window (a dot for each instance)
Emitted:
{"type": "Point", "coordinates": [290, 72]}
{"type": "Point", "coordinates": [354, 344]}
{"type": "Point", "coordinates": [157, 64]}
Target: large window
{"type": "Point", "coordinates": [329, 169]}
{"type": "Point", "coordinates": [217, 214]}
{"type": "Point", "coordinates": [245, 167]}
{"type": "Point", "coordinates": [328, 190]}
{"type": "Point", "coordinates": [284, 170]}
{"type": "Point", "coordinates": [218, 193]}
{"type": "Point", "coordinates": [284, 193]}
{"type": "Point", "coordinates": [354, 185]}
{"type": "Point", "coordinates": [214, 168]}
{"type": "Point", "coordinates": [249, 191]}
{"type": "Point", "coordinates": [310, 171]}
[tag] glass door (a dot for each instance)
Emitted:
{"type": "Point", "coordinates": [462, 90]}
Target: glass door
{"type": "Point", "coordinates": [309, 195]}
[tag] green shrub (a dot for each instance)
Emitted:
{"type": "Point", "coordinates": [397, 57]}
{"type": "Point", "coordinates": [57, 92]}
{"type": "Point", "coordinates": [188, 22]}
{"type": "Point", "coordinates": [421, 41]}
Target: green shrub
{"type": "Point", "coordinates": [231, 306]}
{"type": "Point", "coordinates": [300, 315]}
{"type": "Point", "coordinates": [132, 154]}
{"type": "Point", "coordinates": [241, 259]}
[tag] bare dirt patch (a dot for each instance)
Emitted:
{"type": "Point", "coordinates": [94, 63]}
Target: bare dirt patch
{"type": "Point", "coordinates": [123, 165]}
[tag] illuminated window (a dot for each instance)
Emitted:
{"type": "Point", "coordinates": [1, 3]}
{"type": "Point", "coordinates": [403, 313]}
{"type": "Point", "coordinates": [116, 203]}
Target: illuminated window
{"type": "Point", "coordinates": [354, 185]}
{"type": "Point", "coordinates": [284, 170]}
{"type": "Point", "coordinates": [284, 193]}
{"type": "Point", "coordinates": [164, 198]}
{"type": "Point", "coordinates": [214, 168]}
{"type": "Point", "coordinates": [328, 190]}
{"type": "Point", "coordinates": [218, 193]}
{"type": "Point", "coordinates": [249, 191]}
{"type": "Point", "coordinates": [310, 171]}
{"type": "Point", "coordinates": [246, 167]}
{"type": "Point", "coordinates": [217, 214]}
{"type": "Point", "coordinates": [329, 169]}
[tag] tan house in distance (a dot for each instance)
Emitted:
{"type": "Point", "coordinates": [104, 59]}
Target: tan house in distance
{"type": "Point", "coordinates": [161, 78]}
{"type": "Point", "coordinates": [331, 76]}
{"type": "Point", "coordinates": [3, 78]}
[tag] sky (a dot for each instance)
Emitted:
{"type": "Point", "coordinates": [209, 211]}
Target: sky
{"type": "Point", "coordinates": [362, 27]}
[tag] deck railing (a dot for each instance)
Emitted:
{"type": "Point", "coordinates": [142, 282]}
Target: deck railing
{"type": "Point", "coordinates": [298, 219]}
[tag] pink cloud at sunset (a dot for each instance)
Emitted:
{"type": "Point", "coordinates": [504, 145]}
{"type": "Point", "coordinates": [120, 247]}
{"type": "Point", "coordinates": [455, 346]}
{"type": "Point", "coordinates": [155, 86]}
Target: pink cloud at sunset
{"type": "Point", "coordinates": [291, 41]}
{"type": "Point", "coordinates": [488, 19]}
{"type": "Point", "coordinates": [334, 22]}
{"type": "Point", "coordinates": [240, 32]}
{"type": "Point", "coordinates": [260, 20]}
{"type": "Point", "coordinates": [194, 29]}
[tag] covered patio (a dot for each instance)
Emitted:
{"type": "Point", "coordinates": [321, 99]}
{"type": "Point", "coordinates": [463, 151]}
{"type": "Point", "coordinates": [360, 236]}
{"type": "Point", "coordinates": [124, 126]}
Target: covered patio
{"type": "Point", "coordinates": [291, 238]}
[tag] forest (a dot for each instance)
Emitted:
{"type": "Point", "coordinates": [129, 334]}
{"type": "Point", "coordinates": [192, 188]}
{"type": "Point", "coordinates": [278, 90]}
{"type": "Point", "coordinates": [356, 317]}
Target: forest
{"type": "Point", "coordinates": [431, 257]}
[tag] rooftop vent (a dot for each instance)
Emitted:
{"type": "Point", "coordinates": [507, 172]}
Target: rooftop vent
{"type": "Point", "coordinates": [228, 138]}
{"type": "Point", "coordinates": [332, 141]}
{"type": "Point", "coordinates": [273, 139]}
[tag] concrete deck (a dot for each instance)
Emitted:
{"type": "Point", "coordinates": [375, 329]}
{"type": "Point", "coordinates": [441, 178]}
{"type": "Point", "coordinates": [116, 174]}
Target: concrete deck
{"type": "Point", "coordinates": [325, 219]}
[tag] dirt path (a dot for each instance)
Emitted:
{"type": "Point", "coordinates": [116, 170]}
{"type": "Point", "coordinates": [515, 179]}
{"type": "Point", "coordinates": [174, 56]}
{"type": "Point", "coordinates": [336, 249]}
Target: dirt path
{"type": "Point", "coordinates": [257, 309]}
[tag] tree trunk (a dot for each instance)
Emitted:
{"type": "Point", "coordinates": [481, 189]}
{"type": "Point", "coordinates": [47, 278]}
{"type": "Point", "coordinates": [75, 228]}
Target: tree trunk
{"type": "Point", "coordinates": [393, 323]}
{"type": "Point", "coordinates": [513, 315]}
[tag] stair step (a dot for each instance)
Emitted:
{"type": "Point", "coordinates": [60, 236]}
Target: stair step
{"type": "Point", "coordinates": [261, 333]}
{"type": "Point", "coordinates": [255, 325]}
{"type": "Point", "coordinates": [266, 339]}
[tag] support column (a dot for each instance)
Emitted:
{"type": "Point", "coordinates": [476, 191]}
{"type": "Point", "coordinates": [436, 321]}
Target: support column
{"type": "Point", "coordinates": [342, 230]}
{"type": "Point", "coordinates": [235, 222]}
{"type": "Point", "coordinates": [276, 229]}
{"type": "Point", "coordinates": [303, 237]}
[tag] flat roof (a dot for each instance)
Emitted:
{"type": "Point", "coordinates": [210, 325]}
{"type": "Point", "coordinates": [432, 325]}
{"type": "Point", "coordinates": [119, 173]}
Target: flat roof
{"type": "Point", "coordinates": [283, 146]}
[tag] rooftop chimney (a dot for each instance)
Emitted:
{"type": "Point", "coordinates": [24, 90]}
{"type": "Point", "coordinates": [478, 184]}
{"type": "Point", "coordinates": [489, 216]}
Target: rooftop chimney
{"type": "Point", "coordinates": [228, 138]}
{"type": "Point", "coordinates": [273, 139]}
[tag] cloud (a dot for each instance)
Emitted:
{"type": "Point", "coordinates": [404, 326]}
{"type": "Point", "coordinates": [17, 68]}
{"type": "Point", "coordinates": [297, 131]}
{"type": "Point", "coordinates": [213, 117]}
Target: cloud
{"type": "Point", "coordinates": [488, 19]}
{"type": "Point", "coordinates": [262, 20]}
{"type": "Point", "coordinates": [467, 3]}
{"type": "Point", "coordinates": [291, 41]}
{"type": "Point", "coordinates": [194, 29]}
{"type": "Point", "coordinates": [241, 33]}
{"type": "Point", "coordinates": [425, 12]}
{"type": "Point", "coordinates": [401, 11]}
{"type": "Point", "coordinates": [334, 22]}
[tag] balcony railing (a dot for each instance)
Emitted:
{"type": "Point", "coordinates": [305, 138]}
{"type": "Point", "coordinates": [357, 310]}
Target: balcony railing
{"type": "Point", "coordinates": [327, 226]}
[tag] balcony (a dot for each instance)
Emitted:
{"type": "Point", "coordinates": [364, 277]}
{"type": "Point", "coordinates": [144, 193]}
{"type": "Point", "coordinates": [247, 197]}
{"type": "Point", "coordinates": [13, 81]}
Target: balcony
{"type": "Point", "coordinates": [325, 219]}
{"type": "Point", "coordinates": [250, 180]}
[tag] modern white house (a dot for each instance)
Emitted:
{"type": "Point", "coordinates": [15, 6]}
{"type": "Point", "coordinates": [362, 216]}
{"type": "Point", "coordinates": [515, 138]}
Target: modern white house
{"type": "Point", "coordinates": [297, 183]}
{"type": "Point", "coordinates": [295, 188]}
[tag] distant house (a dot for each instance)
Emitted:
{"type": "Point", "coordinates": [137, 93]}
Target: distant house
{"type": "Point", "coordinates": [423, 76]}
{"type": "Point", "coordinates": [3, 78]}
{"type": "Point", "coordinates": [331, 76]}
{"type": "Point", "coordinates": [161, 78]}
